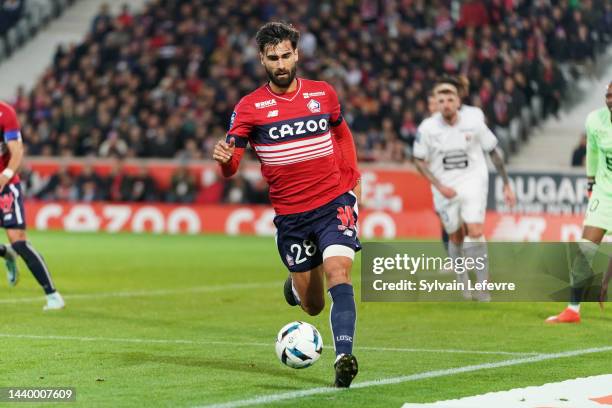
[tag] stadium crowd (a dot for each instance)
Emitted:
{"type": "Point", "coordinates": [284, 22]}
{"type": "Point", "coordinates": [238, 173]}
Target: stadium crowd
{"type": "Point", "coordinates": [121, 184]}
{"type": "Point", "coordinates": [10, 13]}
{"type": "Point", "coordinates": [163, 82]}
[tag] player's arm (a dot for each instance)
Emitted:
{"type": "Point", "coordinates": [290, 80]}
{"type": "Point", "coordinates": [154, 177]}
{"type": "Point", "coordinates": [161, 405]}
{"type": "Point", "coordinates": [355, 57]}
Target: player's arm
{"type": "Point", "coordinates": [344, 138]}
{"type": "Point", "coordinates": [421, 152]}
{"type": "Point", "coordinates": [423, 168]}
{"type": "Point", "coordinates": [346, 144]}
{"type": "Point", "coordinates": [498, 162]}
{"type": "Point", "coordinates": [228, 155]}
{"type": "Point", "coordinates": [229, 152]}
{"type": "Point", "coordinates": [12, 139]}
{"type": "Point", "coordinates": [488, 143]}
{"type": "Point", "coordinates": [592, 157]}
{"type": "Point", "coordinates": [15, 147]}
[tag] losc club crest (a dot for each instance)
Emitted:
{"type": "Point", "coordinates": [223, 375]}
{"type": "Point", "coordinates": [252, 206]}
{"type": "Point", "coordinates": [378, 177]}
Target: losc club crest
{"type": "Point", "coordinates": [289, 259]}
{"type": "Point", "coordinates": [314, 106]}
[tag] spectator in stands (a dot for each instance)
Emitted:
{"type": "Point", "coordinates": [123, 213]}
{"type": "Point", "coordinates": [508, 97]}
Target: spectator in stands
{"type": "Point", "coordinates": [10, 13]}
{"type": "Point", "coordinates": [579, 153]}
{"type": "Point", "coordinates": [235, 190]}
{"type": "Point", "coordinates": [182, 186]}
{"type": "Point", "coordinates": [552, 86]}
{"type": "Point", "coordinates": [212, 189]}
{"type": "Point", "coordinates": [141, 187]}
{"type": "Point", "coordinates": [113, 145]}
{"type": "Point", "coordinates": [116, 185]}
{"type": "Point", "coordinates": [89, 185]}
{"type": "Point", "coordinates": [53, 183]}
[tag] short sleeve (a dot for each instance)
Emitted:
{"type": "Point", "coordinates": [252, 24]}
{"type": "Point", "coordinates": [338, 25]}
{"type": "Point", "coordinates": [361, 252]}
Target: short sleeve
{"type": "Point", "coordinates": [335, 110]}
{"type": "Point", "coordinates": [240, 125]}
{"type": "Point", "coordinates": [486, 138]}
{"type": "Point", "coordinates": [10, 124]}
{"type": "Point", "coordinates": [420, 149]}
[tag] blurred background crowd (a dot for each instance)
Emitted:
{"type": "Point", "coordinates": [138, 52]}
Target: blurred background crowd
{"type": "Point", "coordinates": [162, 83]}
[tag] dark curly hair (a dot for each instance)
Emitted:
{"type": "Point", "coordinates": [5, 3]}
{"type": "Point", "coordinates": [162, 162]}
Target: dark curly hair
{"type": "Point", "coordinates": [276, 32]}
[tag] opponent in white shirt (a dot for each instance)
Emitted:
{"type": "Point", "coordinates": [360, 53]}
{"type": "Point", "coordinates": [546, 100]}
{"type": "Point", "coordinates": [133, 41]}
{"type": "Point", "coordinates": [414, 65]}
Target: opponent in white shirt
{"type": "Point", "coordinates": [449, 152]}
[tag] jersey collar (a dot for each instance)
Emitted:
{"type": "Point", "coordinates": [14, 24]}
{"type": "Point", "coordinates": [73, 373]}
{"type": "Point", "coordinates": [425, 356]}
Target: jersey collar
{"type": "Point", "coordinates": [286, 96]}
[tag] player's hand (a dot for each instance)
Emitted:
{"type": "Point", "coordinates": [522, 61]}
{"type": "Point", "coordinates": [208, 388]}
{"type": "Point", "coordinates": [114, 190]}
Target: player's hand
{"type": "Point", "coordinates": [509, 196]}
{"type": "Point", "coordinates": [3, 182]}
{"type": "Point", "coordinates": [223, 152]}
{"type": "Point", "coordinates": [447, 192]}
{"type": "Point", "coordinates": [590, 184]}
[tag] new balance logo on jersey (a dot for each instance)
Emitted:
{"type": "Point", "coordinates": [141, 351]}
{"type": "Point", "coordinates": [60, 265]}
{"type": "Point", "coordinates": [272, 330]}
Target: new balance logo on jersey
{"type": "Point", "coordinates": [298, 128]}
{"type": "Point", "coordinates": [314, 106]}
{"type": "Point", "coordinates": [313, 94]}
{"type": "Point", "coordinates": [273, 113]}
{"type": "Point", "coordinates": [265, 104]}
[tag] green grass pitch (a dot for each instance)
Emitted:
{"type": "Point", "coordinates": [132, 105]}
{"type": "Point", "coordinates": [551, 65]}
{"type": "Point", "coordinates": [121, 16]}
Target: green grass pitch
{"type": "Point", "coordinates": [183, 321]}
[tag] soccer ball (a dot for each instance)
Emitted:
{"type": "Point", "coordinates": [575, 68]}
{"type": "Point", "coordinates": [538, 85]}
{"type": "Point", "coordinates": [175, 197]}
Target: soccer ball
{"type": "Point", "coordinates": [298, 345]}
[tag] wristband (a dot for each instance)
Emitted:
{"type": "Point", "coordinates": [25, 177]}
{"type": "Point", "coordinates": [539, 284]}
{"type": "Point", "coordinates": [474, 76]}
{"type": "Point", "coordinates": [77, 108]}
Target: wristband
{"type": "Point", "coordinates": [8, 173]}
{"type": "Point", "coordinates": [590, 185]}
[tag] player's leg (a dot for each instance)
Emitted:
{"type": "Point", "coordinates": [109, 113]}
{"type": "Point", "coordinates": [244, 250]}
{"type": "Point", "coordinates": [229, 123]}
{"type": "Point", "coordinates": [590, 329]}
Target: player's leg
{"type": "Point", "coordinates": [451, 222]}
{"type": "Point", "coordinates": [445, 243]}
{"type": "Point", "coordinates": [580, 273]}
{"type": "Point", "coordinates": [473, 209]}
{"type": "Point", "coordinates": [475, 247]}
{"type": "Point", "coordinates": [335, 227]}
{"type": "Point", "coordinates": [36, 264]}
{"type": "Point", "coordinates": [303, 259]}
{"type": "Point", "coordinates": [7, 219]}
{"type": "Point", "coordinates": [307, 289]}
{"type": "Point", "coordinates": [10, 260]}
{"type": "Point", "coordinates": [14, 223]}
{"type": "Point", "coordinates": [597, 220]}
{"type": "Point", "coordinates": [337, 264]}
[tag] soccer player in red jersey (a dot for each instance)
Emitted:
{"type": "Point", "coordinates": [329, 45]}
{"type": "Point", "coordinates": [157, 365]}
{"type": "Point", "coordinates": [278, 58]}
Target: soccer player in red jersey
{"type": "Point", "coordinates": [12, 212]}
{"type": "Point", "coordinates": [308, 158]}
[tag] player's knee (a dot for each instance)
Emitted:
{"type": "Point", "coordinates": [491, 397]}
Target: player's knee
{"type": "Point", "coordinates": [475, 231]}
{"type": "Point", "coordinates": [16, 235]}
{"type": "Point", "coordinates": [338, 270]}
{"type": "Point", "coordinates": [456, 237]}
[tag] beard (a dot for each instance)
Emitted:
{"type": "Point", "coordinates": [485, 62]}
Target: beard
{"type": "Point", "coordinates": [448, 114]}
{"type": "Point", "coordinates": [282, 82]}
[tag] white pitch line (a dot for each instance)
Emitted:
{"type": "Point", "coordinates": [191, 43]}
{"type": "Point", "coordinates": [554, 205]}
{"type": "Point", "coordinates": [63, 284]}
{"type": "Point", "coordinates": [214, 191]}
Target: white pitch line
{"type": "Point", "coordinates": [272, 398]}
{"type": "Point", "coordinates": [132, 340]}
{"type": "Point", "coordinates": [157, 292]}
{"type": "Point", "coordinates": [450, 351]}
{"type": "Point", "coordinates": [247, 344]}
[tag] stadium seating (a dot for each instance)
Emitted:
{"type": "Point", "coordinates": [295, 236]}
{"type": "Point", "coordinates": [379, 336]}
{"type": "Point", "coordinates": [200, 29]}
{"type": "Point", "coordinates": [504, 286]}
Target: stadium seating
{"type": "Point", "coordinates": [19, 25]}
{"type": "Point", "coordinates": [185, 66]}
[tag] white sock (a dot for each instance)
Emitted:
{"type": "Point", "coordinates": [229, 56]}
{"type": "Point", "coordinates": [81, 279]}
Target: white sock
{"type": "Point", "coordinates": [477, 248]}
{"type": "Point", "coordinates": [456, 251]}
{"type": "Point", "coordinates": [575, 308]}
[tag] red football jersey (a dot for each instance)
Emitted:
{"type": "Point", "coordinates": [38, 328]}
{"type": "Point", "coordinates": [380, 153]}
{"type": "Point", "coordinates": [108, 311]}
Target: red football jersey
{"type": "Point", "coordinates": [9, 130]}
{"type": "Point", "coordinates": [292, 138]}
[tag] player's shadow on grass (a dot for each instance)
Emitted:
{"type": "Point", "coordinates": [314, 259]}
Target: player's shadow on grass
{"type": "Point", "coordinates": [211, 363]}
